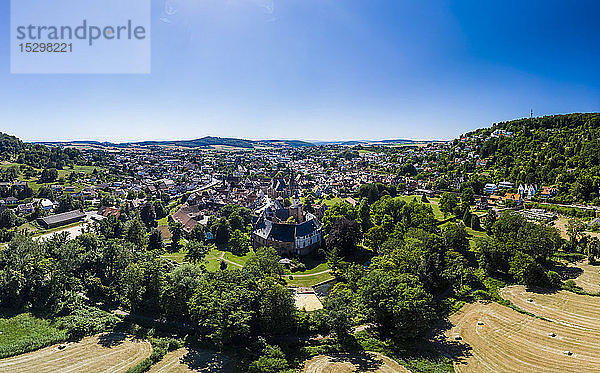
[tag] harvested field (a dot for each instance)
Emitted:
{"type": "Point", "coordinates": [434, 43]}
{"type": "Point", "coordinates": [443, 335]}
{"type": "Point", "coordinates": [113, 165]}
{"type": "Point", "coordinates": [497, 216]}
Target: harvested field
{"type": "Point", "coordinates": [563, 307]}
{"type": "Point", "coordinates": [106, 353]}
{"type": "Point", "coordinates": [349, 363]}
{"type": "Point", "coordinates": [589, 279]}
{"type": "Point", "coordinates": [489, 337]}
{"type": "Point", "coordinates": [188, 361]}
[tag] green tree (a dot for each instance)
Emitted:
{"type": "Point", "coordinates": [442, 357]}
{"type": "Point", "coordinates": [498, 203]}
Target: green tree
{"type": "Point", "coordinates": [397, 303]}
{"type": "Point", "coordinates": [136, 233]}
{"type": "Point", "coordinates": [272, 360]}
{"type": "Point", "coordinates": [239, 243]}
{"type": "Point", "coordinates": [196, 251]}
{"type": "Point", "coordinates": [448, 203]}
{"type": "Point", "coordinates": [155, 241]}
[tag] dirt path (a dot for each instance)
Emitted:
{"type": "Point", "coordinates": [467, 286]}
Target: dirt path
{"type": "Point", "coordinates": [351, 363]}
{"type": "Point", "coordinates": [109, 353]}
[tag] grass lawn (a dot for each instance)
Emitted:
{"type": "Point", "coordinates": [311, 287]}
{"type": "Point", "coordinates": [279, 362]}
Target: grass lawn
{"type": "Point", "coordinates": [309, 280]}
{"type": "Point", "coordinates": [24, 333]}
{"type": "Point", "coordinates": [328, 202]}
{"type": "Point", "coordinates": [241, 260]}
{"type": "Point", "coordinates": [211, 262]}
{"type": "Point", "coordinates": [164, 221]}
{"type": "Point", "coordinates": [312, 265]}
{"type": "Point", "coordinates": [473, 235]}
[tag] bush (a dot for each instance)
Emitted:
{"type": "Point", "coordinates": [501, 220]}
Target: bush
{"type": "Point", "coordinates": [481, 295]}
{"type": "Point", "coordinates": [554, 279]}
{"type": "Point", "coordinates": [160, 347]}
{"type": "Point", "coordinates": [87, 321]}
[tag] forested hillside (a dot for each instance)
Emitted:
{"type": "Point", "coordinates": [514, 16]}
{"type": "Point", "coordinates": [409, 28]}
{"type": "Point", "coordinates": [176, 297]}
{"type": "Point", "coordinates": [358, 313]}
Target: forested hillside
{"type": "Point", "coordinates": [561, 150]}
{"type": "Point", "coordinates": [38, 156]}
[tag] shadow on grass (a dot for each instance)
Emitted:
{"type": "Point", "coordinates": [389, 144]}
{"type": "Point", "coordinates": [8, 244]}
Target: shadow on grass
{"type": "Point", "coordinates": [111, 339]}
{"type": "Point", "coordinates": [457, 350]}
{"type": "Point", "coordinates": [207, 362]}
{"type": "Point", "coordinates": [567, 273]}
{"type": "Point", "coordinates": [362, 360]}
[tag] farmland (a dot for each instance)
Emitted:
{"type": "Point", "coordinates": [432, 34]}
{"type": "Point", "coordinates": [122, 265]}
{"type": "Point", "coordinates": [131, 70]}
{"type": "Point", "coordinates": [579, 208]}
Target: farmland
{"type": "Point", "coordinates": [562, 307]}
{"type": "Point", "coordinates": [589, 278]}
{"type": "Point", "coordinates": [184, 360]}
{"type": "Point", "coordinates": [489, 337]}
{"type": "Point", "coordinates": [106, 353]}
{"type": "Point", "coordinates": [347, 363]}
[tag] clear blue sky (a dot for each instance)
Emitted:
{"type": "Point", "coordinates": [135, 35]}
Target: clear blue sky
{"type": "Point", "coordinates": [323, 70]}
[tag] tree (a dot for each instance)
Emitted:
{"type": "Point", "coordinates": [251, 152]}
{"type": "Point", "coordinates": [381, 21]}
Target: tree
{"type": "Point", "coordinates": [239, 243]}
{"type": "Point", "coordinates": [539, 241]}
{"type": "Point", "coordinates": [196, 251]}
{"type": "Point", "coordinates": [222, 232]}
{"type": "Point", "coordinates": [490, 219]}
{"type": "Point", "coordinates": [593, 249]}
{"type": "Point", "coordinates": [448, 203]}
{"type": "Point", "coordinates": [265, 262]}
{"type": "Point", "coordinates": [397, 303]}
{"type": "Point", "coordinates": [155, 241]}
{"type": "Point", "coordinates": [272, 360]}
{"type": "Point", "coordinates": [339, 311]}
{"type": "Point", "coordinates": [475, 222]}
{"type": "Point", "coordinates": [455, 237]}
{"type": "Point", "coordinates": [467, 195]}
{"type": "Point", "coordinates": [49, 175]}
{"type": "Point", "coordinates": [180, 285]}
{"type": "Point", "coordinates": [66, 202]}
{"type": "Point", "coordinates": [344, 235]}
{"type": "Point", "coordinates": [136, 234]}
{"type": "Point", "coordinates": [492, 255]}
{"type": "Point", "coordinates": [276, 307]}
{"type": "Point", "coordinates": [575, 227]}
{"type": "Point", "coordinates": [364, 215]}
{"type": "Point", "coordinates": [198, 233]}
{"type": "Point", "coordinates": [148, 215]}
{"type": "Point", "coordinates": [8, 219]}
{"type": "Point", "coordinates": [467, 218]}
{"type": "Point", "coordinates": [176, 229]}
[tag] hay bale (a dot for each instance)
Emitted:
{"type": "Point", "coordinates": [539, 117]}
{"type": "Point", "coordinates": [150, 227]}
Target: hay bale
{"type": "Point", "coordinates": [552, 335]}
{"type": "Point", "coordinates": [568, 353]}
{"type": "Point", "coordinates": [479, 322]}
{"type": "Point", "coordinates": [457, 337]}
{"type": "Point", "coordinates": [530, 300]}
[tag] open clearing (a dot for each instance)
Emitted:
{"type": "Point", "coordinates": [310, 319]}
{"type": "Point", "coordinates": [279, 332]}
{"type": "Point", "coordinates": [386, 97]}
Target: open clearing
{"type": "Point", "coordinates": [563, 306]}
{"type": "Point", "coordinates": [495, 338]}
{"type": "Point", "coordinates": [349, 363]}
{"type": "Point", "coordinates": [186, 361]}
{"type": "Point", "coordinates": [106, 353]}
{"type": "Point", "coordinates": [307, 301]}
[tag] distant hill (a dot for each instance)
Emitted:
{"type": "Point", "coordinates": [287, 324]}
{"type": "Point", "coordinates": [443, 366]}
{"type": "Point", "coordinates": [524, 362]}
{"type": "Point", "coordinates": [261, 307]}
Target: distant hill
{"type": "Point", "coordinates": [209, 141]}
{"type": "Point", "coordinates": [197, 143]}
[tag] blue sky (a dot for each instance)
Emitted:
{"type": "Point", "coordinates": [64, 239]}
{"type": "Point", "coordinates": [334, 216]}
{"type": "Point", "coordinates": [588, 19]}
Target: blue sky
{"type": "Point", "coordinates": [323, 70]}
